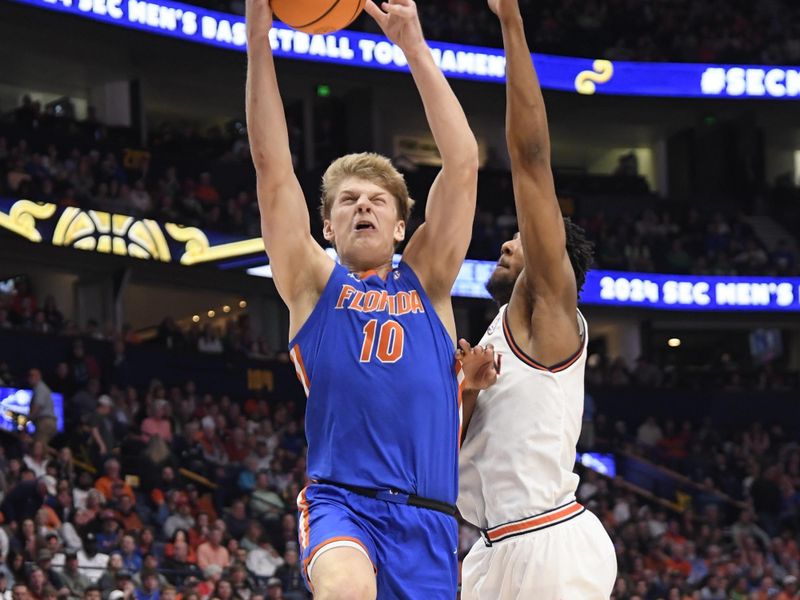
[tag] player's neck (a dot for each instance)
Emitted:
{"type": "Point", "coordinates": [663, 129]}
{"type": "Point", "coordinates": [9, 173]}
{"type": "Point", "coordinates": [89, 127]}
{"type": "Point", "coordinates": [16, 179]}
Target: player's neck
{"type": "Point", "coordinates": [364, 270]}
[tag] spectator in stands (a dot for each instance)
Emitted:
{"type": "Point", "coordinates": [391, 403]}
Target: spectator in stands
{"type": "Point", "coordinates": [108, 538]}
{"type": "Point", "coordinates": [131, 558]}
{"type": "Point", "coordinates": [83, 366]}
{"type": "Point", "coordinates": [265, 503]}
{"type": "Point", "coordinates": [169, 334]}
{"type": "Point", "coordinates": [109, 580]}
{"type": "Point", "coordinates": [36, 459]}
{"type": "Point", "coordinates": [182, 520]}
{"type": "Point", "coordinates": [102, 431]}
{"type": "Point", "coordinates": [210, 342]}
{"type": "Point", "coordinates": [37, 580]}
{"type": "Point", "coordinates": [275, 589]}
{"type": "Point", "coordinates": [127, 516]}
{"type": "Point", "coordinates": [263, 561]}
{"type": "Point", "coordinates": [649, 433]}
{"type": "Point", "coordinates": [44, 561]}
{"type": "Point", "coordinates": [205, 191]}
{"type": "Point", "coordinates": [25, 499]}
{"type": "Point", "coordinates": [157, 424]}
{"type": "Point", "coordinates": [140, 201]}
{"type": "Point", "coordinates": [178, 566]}
{"type": "Point", "coordinates": [291, 577]}
{"type": "Point", "coordinates": [42, 410]}
{"type": "Point", "coordinates": [241, 589]}
{"type": "Point", "coordinates": [212, 552]}
{"type": "Point", "coordinates": [105, 484]}
{"type": "Point", "coordinates": [236, 519]}
{"type": "Point", "coordinates": [90, 561]}
{"type": "Point", "coordinates": [149, 590]}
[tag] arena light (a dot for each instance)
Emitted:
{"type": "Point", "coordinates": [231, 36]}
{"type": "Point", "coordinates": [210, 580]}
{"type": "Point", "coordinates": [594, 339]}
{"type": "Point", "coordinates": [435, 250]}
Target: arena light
{"type": "Point", "coordinates": [211, 314]}
{"type": "Point", "coordinates": [195, 318]}
{"type": "Point", "coordinates": [674, 342]}
{"type": "Point", "coordinates": [226, 309]}
{"type": "Point", "coordinates": [477, 63]}
{"type": "Point", "coordinates": [242, 303]}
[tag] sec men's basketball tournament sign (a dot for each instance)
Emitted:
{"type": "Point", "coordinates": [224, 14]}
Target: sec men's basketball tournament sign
{"type": "Point", "coordinates": [146, 239]}
{"type": "Point", "coordinates": [584, 76]}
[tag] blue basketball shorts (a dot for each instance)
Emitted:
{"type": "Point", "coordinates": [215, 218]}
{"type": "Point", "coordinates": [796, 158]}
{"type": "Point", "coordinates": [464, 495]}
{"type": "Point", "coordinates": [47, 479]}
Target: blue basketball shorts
{"type": "Point", "coordinates": [413, 550]}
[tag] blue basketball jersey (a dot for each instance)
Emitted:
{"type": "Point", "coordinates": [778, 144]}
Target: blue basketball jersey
{"type": "Point", "coordinates": [378, 367]}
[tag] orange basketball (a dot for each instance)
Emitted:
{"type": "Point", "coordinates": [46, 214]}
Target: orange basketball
{"type": "Point", "coordinates": [317, 16]}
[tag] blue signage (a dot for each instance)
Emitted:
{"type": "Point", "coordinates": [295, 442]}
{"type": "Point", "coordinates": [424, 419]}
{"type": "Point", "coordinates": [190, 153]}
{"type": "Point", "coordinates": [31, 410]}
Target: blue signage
{"type": "Point", "coordinates": [605, 464]}
{"type": "Point", "coordinates": [646, 290]}
{"type": "Point", "coordinates": [691, 292]}
{"type": "Point", "coordinates": [15, 405]}
{"type": "Point", "coordinates": [581, 75]}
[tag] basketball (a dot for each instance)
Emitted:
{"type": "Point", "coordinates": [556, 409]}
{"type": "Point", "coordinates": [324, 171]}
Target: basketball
{"type": "Point", "coordinates": [317, 16]}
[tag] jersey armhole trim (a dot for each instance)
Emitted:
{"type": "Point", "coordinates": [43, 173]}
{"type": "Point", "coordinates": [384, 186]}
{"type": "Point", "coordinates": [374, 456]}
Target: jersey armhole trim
{"type": "Point", "coordinates": [317, 306]}
{"type": "Point", "coordinates": [531, 362]}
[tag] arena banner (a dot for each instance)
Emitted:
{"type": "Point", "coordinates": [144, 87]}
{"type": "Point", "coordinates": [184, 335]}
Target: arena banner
{"type": "Point", "coordinates": [121, 234]}
{"type": "Point", "coordinates": [145, 239]}
{"type": "Point", "coordinates": [569, 74]}
{"type": "Point", "coordinates": [692, 292]}
{"type": "Point", "coordinates": [648, 290]}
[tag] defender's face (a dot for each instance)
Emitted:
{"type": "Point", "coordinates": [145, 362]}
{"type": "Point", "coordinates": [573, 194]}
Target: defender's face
{"type": "Point", "coordinates": [510, 263]}
{"type": "Point", "coordinates": [364, 225]}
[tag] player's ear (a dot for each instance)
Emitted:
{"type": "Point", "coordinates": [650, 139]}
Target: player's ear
{"type": "Point", "coordinates": [327, 230]}
{"type": "Point", "coordinates": [399, 231]}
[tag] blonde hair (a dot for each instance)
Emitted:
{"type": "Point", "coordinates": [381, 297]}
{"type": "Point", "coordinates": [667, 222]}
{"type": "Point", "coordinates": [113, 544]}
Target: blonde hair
{"type": "Point", "coordinates": [372, 167]}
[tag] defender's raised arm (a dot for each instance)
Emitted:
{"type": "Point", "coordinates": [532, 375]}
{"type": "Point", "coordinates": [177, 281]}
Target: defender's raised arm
{"type": "Point", "coordinates": [541, 226]}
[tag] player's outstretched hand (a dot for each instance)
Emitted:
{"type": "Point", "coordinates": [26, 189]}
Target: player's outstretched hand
{"type": "Point", "coordinates": [481, 365]}
{"type": "Point", "coordinates": [504, 8]}
{"type": "Point", "coordinates": [399, 21]}
{"type": "Point", "coordinates": [258, 16]}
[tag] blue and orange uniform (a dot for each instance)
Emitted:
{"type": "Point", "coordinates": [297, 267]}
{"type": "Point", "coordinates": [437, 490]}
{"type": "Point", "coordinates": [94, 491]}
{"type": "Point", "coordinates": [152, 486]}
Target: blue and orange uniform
{"type": "Point", "coordinates": [383, 426]}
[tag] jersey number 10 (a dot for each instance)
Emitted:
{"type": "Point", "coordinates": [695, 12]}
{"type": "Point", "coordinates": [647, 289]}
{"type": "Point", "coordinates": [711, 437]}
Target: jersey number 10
{"type": "Point", "coordinates": [390, 341]}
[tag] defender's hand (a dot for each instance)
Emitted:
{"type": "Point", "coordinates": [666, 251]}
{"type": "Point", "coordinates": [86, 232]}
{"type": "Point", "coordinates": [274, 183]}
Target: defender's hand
{"type": "Point", "coordinates": [481, 365]}
{"type": "Point", "coordinates": [504, 8]}
{"type": "Point", "coordinates": [399, 21]}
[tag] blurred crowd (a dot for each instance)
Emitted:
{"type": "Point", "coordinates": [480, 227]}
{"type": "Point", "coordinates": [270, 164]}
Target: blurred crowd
{"type": "Point", "coordinates": [670, 240]}
{"type": "Point", "coordinates": [69, 163]}
{"type": "Point", "coordinates": [645, 30]}
{"type": "Point", "coordinates": [151, 493]}
{"type": "Point", "coordinates": [231, 335]}
{"type": "Point", "coordinates": [168, 490]}
{"type": "Point", "coordinates": [100, 172]}
{"type": "Point", "coordinates": [737, 537]}
{"type": "Point", "coordinates": [724, 31]}
{"type": "Point", "coordinates": [723, 369]}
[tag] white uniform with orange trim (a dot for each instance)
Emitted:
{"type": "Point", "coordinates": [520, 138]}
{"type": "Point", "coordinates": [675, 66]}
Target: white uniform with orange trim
{"type": "Point", "coordinates": [518, 486]}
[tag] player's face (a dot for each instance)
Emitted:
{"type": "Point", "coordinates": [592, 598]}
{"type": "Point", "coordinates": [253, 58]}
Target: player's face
{"type": "Point", "coordinates": [364, 224]}
{"type": "Point", "coordinates": [509, 267]}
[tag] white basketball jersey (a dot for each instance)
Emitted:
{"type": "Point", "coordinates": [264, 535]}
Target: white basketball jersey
{"type": "Point", "coordinates": [518, 456]}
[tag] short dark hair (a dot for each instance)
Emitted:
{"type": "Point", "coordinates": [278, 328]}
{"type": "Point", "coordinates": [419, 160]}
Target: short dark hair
{"type": "Point", "coordinates": [580, 251]}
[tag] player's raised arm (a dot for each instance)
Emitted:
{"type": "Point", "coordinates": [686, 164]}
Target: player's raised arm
{"type": "Point", "coordinates": [299, 265]}
{"type": "Point", "coordinates": [437, 249]}
{"type": "Point", "coordinates": [548, 272]}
